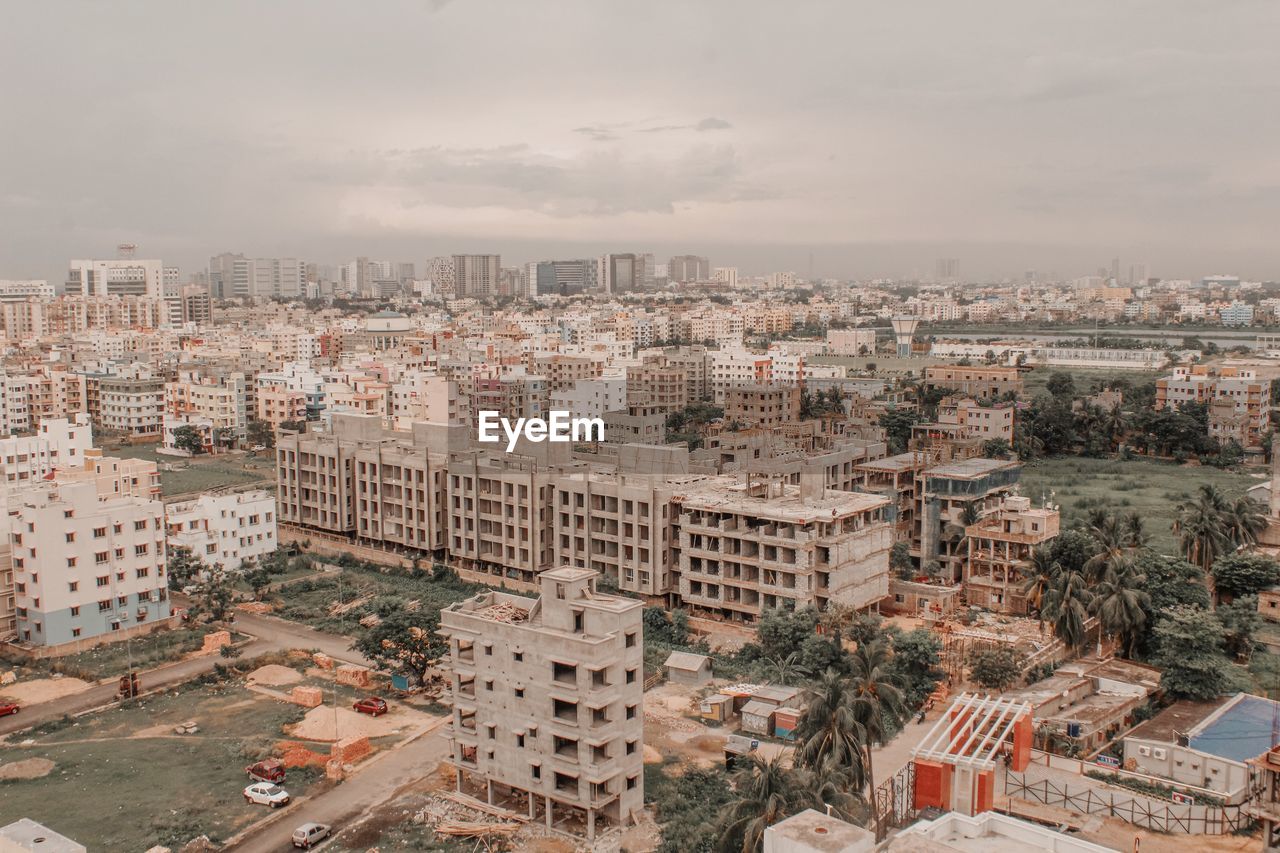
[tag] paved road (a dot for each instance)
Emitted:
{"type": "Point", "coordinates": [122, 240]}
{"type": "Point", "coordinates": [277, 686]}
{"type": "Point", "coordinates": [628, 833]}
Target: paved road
{"type": "Point", "coordinates": [270, 635]}
{"type": "Point", "coordinates": [375, 783]}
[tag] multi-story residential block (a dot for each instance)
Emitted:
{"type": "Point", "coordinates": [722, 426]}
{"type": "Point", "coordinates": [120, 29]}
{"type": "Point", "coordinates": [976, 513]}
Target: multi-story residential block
{"type": "Point", "coordinates": [998, 552]}
{"type": "Point", "coordinates": [476, 275]}
{"type": "Point", "coordinates": [130, 402]}
{"type": "Point", "coordinates": [225, 530]}
{"type": "Point", "coordinates": [659, 388]}
{"type": "Point", "coordinates": [222, 400]}
{"type": "Point", "coordinates": [762, 405]}
{"type": "Point", "coordinates": [547, 697]}
{"type": "Point", "coordinates": [750, 546]}
{"type": "Point", "coordinates": [12, 290]}
{"type": "Point", "coordinates": [685, 269]}
{"type": "Point", "coordinates": [278, 404]}
{"type": "Point", "coordinates": [1239, 400]}
{"type": "Point", "coordinates": [979, 382]}
{"type": "Point", "coordinates": [59, 443]}
{"type": "Point", "coordinates": [86, 564]}
{"type": "Point", "coordinates": [400, 493]}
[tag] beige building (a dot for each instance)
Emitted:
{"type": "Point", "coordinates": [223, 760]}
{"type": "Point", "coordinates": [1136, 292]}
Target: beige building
{"type": "Point", "coordinates": [547, 696]}
{"type": "Point", "coordinates": [998, 550]}
{"type": "Point", "coordinates": [762, 405]}
{"type": "Point", "coordinates": [750, 545]}
{"type": "Point", "coordinates": [979, 382]}
{"type": "Point", "coordinates": [278, 404]}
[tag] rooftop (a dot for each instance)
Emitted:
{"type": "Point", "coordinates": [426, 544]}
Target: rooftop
{"type": "Point", "coordinates": [728, 494]}
{"type": "Point", "coordinates": [964, 469]}
{"type": "Point", "coordinates": [1179, 718]}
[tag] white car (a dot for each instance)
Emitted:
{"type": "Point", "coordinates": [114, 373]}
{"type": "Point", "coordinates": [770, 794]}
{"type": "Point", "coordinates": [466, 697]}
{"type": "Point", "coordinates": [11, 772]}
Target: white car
{"type": "Point", "coordinates": [309, 834]}
{"type": "Point", "coordinates": [266, 794]}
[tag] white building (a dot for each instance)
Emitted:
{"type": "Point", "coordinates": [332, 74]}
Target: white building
{"type": "Point", "coordinates": [12, 290]}
{"type": "Point", "coordinates": [85, 564]}
{"type": "Point", "coordinates": [122, 276]}
{"type": "Point", "coordinates": [61, 442]}
{"type": "Point", "coordinates": [225, 529]}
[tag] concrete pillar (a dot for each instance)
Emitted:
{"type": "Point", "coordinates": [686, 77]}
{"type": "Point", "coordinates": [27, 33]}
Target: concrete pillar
{"type": "Point", "coordinates": [457, 779]}
{"type": "Point", "coordinates": [531, 805]}
{"type": "Point", "coordinates": [548, 812]}
{"type": "Point", "coordinates": [489, 790]}
{"type": "Point", "coordinates": [591, 824]}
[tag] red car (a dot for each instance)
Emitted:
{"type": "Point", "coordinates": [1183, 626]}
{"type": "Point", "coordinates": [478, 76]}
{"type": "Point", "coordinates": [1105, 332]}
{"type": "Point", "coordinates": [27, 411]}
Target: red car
{"type": "Point", "coordinates": [373, 706]}
{"type": "Point", "coordinates": [11, 708]}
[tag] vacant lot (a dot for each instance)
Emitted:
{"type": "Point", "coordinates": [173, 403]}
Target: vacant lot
{"type": "Point", "coordinates": [1085, 378]}
{"type": "Point", "coordinates": [1150, 488]}
{"type": "Point", "coordinates": [112, 659]}
{"type": "Point", "coordinates": [203, 473]}
{"type": "Point", "coordinates": [123, 781]}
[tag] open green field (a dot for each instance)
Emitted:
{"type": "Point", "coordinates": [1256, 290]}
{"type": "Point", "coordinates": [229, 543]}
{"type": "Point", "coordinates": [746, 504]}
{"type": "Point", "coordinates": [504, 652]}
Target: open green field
{"type": "Point", "coordinates": [112, 659]}
{"type": "Point", "coordinates": [123, 781]}
{"type": "Point", "coordinates": [1085, 377]}
{"type": "Point", "coordinates": [203, 473]}
{"type": "Point", "coordinates": [1151, 488]}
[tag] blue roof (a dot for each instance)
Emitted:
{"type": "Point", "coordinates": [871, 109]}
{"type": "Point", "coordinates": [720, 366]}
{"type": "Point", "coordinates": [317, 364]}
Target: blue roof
{"type": "Point", "coordinates": [1244, 729]}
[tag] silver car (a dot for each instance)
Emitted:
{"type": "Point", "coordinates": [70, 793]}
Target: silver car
{"type": "Point", "coordinates": [310, 833]}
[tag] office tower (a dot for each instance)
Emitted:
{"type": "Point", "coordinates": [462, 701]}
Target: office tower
{"type": "Point", "coordinates": [684, 269]}
{"type": "Point", "coordinates": [564, 278]}
{"type": "Point", "coordinates": [728, 275]}
{"type": "Point", "coordinates": [948, 269]}
{"type": "Point", "coordinates": [476, 275]}
{"type": "Point", "coordinates": [621, 273]}
{"type": "Point", "coordinates": [1115, 270]}
{"type": "Point", "coordinates": [124, 276]}
{"type": "Point", "coordinates": [647, 272]}
{"type": "Point", "coordinates": [21, 290]}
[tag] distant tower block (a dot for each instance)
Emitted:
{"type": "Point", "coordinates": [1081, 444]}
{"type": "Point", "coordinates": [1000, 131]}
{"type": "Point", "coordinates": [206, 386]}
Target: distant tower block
{"type": "Point", "coordinates": [904, 329]}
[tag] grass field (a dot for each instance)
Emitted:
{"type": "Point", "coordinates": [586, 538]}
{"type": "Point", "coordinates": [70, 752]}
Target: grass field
{"type": "Point", "coordinates": [1152, 489]}
{"type": "Point", "coordinates": [112, 659]}
{"type": "Point", "coordinates": [122, 781]}
{"type": "Point", "coordinates": [1034, 380]}
{"type": "Point", "coordinates": [202, 474]}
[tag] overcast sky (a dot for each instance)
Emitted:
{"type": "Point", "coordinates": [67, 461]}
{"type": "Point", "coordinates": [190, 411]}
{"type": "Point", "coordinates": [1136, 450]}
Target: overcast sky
{"type": "Point", "coordinates": [851, 138]}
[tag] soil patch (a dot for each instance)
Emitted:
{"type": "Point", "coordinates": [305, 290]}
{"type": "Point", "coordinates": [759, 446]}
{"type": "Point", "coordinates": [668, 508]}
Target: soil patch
{"type": "Point", "coordinates": [28, 768]}
{"type": "Point", "coordinates": [39, 690]}
{"type": "Point", "coordinates": [274, 675]}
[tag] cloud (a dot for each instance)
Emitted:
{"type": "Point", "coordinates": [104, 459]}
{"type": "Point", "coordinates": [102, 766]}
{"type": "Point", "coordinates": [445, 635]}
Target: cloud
{"type": "Point", "coordinates": [712, 123]}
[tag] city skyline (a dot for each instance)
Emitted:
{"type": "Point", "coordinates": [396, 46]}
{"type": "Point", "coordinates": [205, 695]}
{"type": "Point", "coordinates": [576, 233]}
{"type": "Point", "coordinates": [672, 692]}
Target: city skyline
{"type": "Point", "coordinates": [887, 138]}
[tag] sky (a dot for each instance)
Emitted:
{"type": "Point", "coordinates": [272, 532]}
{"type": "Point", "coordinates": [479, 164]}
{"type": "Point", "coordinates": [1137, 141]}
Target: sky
{"type": "Point", "coordinates": [848, 139]}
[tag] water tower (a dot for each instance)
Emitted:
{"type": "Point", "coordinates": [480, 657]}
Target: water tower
{"type": "Point", "coordinates": [904, 329]}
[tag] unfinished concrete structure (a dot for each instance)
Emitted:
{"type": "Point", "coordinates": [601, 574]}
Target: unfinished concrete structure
{"type": "Point", "coordinates": [999, 548]}
{"type": "Point", "coordinates": [751, 544]}
{"type": "Point", "coordinates": [546, 698]}
{"type": "Point", "coordinates": [763, 405]}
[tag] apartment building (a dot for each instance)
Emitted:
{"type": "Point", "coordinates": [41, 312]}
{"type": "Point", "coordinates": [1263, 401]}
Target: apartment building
{"type": "Point", "coordinates": [762, 405]}
{"type": "Point", "coordinates": [998, 552]}
{"type": "Point", "coordinates": [315, 473]}
{"type": "Point", "coordinates": [278, 404]}
{"type": "Point", "coordinates": [501, 510]}
{"type": "Point", "coordinates": [226, 530]}
{"type": "Point", "coordinates": [984, 422]}
{"type": "Point", "coordinates": [659, 388]}
{"type": "Point", "coordinates": [401, 494]}
{"type": "Point", "coordinates": [591, 398]}
{"type": "Point", "coordinates": [1239, 400]}
{"type": "Point", "coordinates": [751, 544]}
{"type": "Point", "coordinates": [944, 494]}
{"type": "Point", "coordinates": [476, 275]}
{"type": "Point", "coordinates": [120, 276]}
{"type": "Point", "coordinates": [220, 400]}
{"type": "Point", "coordinates": [130, 402]}
{"type": "Point", "coordinates": [86, 564]}
{"type": "Point", "coordinates": [59, 442]}
{"type": "Point", "coordinates": [547, 700]}
{"type": "Point", "coordinates": [620, 525]}
{"type": "Point", "coordinates": [977, 381]}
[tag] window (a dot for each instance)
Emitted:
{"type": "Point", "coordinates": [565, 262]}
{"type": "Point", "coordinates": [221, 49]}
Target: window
{"type": "Point", "coordinates": [631, 676]}
{"type": "Point", "coordinates": [99, 532]}
{"type": "Point", "coordinates": [75, 611]}
{"type": "Point", "coordinates": [75, 632]}
{"type": "Point", "coordinates": [104, 580]}
{"type": "Point", "coordinates": [73, 586]}
{"type": "Point", "coordinates": [101, 557]}
{"type": "Point", "coordinates": [140, 524]}
{"type": "Point", "coordinates": [631, 640]}
{"type": "Point", "coordinates": [518, 656]}
{"type": "Point", "coordinates": [631, 747]}
{"type": "Point", "coordinates": [142, 573]}
{"type": "Point", "coordinates": [71, 537]}
{"type": "Point", "coordinates": [631, 782]}
{"type": "Point", "coordinates": [104, 606]}
{"type": "Point", "coordinates": [71, 562]}
{"type": "Point", "coordinates": [631, 712]}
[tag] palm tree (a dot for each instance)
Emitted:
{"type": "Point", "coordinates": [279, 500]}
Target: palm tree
{"type": "Point", "coordinates": [1244, 519]}
{"type": "Point", "coordinates": [1120, 604]}
{"type": "Point", "coordinates": [1039, 574]}
{"type": "Point", "coordinates": [829, 733]}
{"type": "Point", "coordinates": [1115, 424]}
{"type": "Point", "coordinates": [768, 791]}
{"type": "Point", "coordinates": [784, 670]}
{"type": "Point", "coordinates": [1113, 546]}
{"type": "Point", "coordinates": [1201, 528]}
{"type": "Point", "coordinates": [1135, 530]}
{"type": "Point", "coordinates": [1066, 604]}
{"type": "Point", "coordinates": [878, 704]}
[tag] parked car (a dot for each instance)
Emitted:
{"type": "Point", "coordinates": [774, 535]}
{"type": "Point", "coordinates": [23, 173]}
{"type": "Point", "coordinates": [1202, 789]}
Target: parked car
{"type": "Point", "coordinates": [266, 794]}
{"type": "Point", "coordinates": [271, 770]}
{"type": "Point", "coordinates": [372, 705]}
{"type": "Point", "coordinates": [310, 833]}
{"type": "Point", "coordinates": [9, 708]}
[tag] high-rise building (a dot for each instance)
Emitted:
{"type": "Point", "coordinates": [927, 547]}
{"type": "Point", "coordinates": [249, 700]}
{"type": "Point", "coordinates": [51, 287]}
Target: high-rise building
{"type": "Point", "coordinates": [476, 275]}
{"type": "Point", "coordinates": [728, 275]}
{"type": "Point", "coordinates": [622, 273]}
{"type": "Point", "coordinates": [237, 277]}
{"type": "Point", "coordinates": [439, 271]}
{"type": "Point", "coordinates": [546, 696]}
{"type": "Point", "coordinates": [948, 269]}
{"type": "Point", "coordinates": [120, 277]}
{"type": "Point", "coordinates": [684, 269]}
{"type": "Point", "coordinates": [564, 278]}
{"type": "Point", "coordinates": [229, 276]}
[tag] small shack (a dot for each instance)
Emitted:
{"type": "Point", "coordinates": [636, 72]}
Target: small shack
{"type": "Point", "coordinates": [785, 721]}
{"type": "Point", "coordinates": [757, 717]}
{"type": "Point", "coordinates": [716, 708]}
{"type": "Point", "coordinates": [688, 668]}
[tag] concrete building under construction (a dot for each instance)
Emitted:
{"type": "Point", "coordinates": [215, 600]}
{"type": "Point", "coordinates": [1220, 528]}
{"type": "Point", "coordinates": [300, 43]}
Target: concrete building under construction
{"type": "Point", "coordinates": [546, 697]}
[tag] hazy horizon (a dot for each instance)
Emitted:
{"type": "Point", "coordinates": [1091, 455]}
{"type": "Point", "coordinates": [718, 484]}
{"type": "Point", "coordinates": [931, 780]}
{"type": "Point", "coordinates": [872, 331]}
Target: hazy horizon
{"type": "Point", "coordinates": [872, 139]}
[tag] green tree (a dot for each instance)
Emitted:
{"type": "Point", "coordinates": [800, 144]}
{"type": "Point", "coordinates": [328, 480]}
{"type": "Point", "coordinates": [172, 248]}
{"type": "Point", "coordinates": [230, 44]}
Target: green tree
{"type": "Point", "coordinates": [188, 438]}
{"type": "Point", "coordinates": [1244, 574]}
{"type": "Point", "coordinates": [1200, 527]}
{"type": "Point", "coordinates": [900, 560]}
{"type": "Point", "coordinates": [996, 448]}
{"type": "Point", "coordinates": [1061, 386]}
{"type": "Point", "coordinates": [917, 655]}
{"type": "Point", "coordinates": [829, 735]}
{"type": "Point", "coordinates": [781, 631]}
{"type": "Point", "coordinates": [1066, 606]}
{"type": "Point", "coordinates": [261, 433]}
{"type": "Point", "coordinates": [995, 668]}
{"type": "Point", "coordinates": [212, 598]}
{"type": "Point", "coordinates": [182, 566]}
{"type": "Point", "coordinates": [897, 425]}
{"type": "Point", "coordinates": [1120, 603]}
{"type": "Point", "coordinates": [1038, 577]}
{"type": "Point", "coordinates": [767, 791]}
{"type": "Point", "coordinates": [1189, 643]}
{"type": "Point", "coordinates": [688, 807]}
{"type": "Point", "coordinates": [877, 703]}
{"type": "Point", "coordinates": [402, 641]}
{"type": "Point", "coordinates": [1243, 519]}
{"type": "Point", "coordinates": [259, 578]}
{"type": "Point", "coordinates": [1171, 581]}
{"type": "Point", "coordinates": [1240, 623]}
